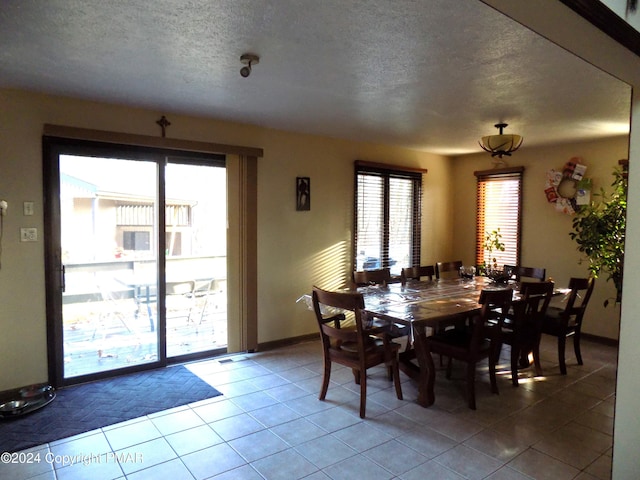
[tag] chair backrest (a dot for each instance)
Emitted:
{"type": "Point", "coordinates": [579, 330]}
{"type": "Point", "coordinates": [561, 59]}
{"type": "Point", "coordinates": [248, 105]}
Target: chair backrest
{"type": "Point", "coordinates": [535, 299]}
{"type": "Point", "coordinates": [496, 302]}
{"type": "Point", "coordinates": [330, 326]}
{"type": "Point", "coordinates": [495, 306]}
{"type": "Point", "coordinates": [510, 271]}
{"type": "Point", "coordinates": [372, 277]}
{"type": "Point", "coordinates": [581, 288]}
{"type": "Point", "coordinates": [442, 267]}
{"type": "Point", "coordinates": [530, 272]}
{"type": "Point", "coordinates": [416, 273]}
{"type": "Point", "coordinates": [487, 323]}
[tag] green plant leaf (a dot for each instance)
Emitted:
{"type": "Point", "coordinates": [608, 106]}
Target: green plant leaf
{"type": "Point", "coordinates": [599, 231]}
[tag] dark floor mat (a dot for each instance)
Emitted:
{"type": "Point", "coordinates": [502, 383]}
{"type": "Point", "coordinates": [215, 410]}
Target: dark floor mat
{"type": "Point", "coordinates": [98, 404]}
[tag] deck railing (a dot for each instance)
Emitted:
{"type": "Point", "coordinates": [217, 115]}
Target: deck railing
{"type": "Point", "coordinates": [88, 281]}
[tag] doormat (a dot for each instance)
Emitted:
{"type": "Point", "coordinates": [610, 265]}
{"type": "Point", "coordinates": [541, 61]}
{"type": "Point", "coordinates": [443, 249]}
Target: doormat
{"type": "Point", "coordinates": [89, 406]}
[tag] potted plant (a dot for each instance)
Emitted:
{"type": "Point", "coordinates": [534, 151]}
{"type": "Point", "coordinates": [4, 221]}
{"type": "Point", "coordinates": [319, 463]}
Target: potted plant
{"type": "Point", "coordinates": [492, 241]}
{"type": "Point", "coordinates": [599, 231]}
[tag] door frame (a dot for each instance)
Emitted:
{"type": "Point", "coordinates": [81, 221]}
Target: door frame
{"type": "Point", "coordinates": [242, 255]}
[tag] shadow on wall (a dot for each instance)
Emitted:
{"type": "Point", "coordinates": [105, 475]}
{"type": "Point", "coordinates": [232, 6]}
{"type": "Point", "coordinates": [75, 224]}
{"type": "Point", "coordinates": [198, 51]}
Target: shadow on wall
{"type": "Point", "coordinates": [327, 267]}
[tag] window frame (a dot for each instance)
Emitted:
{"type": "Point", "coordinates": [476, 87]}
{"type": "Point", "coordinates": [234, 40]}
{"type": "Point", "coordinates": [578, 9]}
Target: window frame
{"type": "Point", "coordinates": [386, 172]}
{"type": "Point", "coordinates": [495, 175]}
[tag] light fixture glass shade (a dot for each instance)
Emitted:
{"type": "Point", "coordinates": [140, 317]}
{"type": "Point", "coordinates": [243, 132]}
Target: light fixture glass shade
{"type": "Point", "coordinates": [502, 144]}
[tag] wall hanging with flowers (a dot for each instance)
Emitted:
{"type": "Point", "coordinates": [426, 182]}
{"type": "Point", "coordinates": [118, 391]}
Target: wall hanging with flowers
{"type": "Point", "coordinates": [568, 188]}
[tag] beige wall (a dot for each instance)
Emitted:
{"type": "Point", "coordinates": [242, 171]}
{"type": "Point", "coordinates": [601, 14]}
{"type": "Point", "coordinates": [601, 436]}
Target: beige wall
{"type": "Point", "coordinates": [295, 249]}
{"type": "Point", "coordinates": [545, 232]}
{"type": "Point", "coordinates": [299, 249]}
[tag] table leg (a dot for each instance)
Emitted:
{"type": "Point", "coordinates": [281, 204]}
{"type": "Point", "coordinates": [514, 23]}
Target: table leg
{"type": "Point", "coordinates": [427, 374]}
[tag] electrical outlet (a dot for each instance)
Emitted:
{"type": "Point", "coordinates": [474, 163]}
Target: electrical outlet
{"type": "Point", "coordinates": [28, 234]}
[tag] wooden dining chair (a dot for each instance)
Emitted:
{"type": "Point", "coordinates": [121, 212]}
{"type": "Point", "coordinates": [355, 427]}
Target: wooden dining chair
{"type": "Point", "coordinates": [519, 273]}
{"type": "Point", "coordinates": [522, 328]}
{"type": "Point", "coordinates": [566, 322]}
{"type": "Point", "coordinates": [381, 276]}
{"type": "Point", "coordinates": [417, 273]}
{"type": "Point", "coordinates": [359, 349]}
{"type": "Point", "coordinates": [446, 267]}
{"type": "Point", "coordinates": [480, 340]}
{"type": "Point", "coordinates": [450, 269]}
{"type": "Point", "coordinates": [510, 271]}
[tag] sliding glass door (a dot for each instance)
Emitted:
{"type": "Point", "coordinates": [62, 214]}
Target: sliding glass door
{"type": "Point", "coordinates": [140, 238]}
{"type": "Point", "coordinates": [108, 226]}
{"type": "Point", "coordinates": [196, 258]}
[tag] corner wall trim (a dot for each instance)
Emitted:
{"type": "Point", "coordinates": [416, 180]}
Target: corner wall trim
{"type": "Point", "coordinates": [598, 14]}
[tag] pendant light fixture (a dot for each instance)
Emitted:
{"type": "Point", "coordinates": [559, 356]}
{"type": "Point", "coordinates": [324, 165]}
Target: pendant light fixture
{"type": "Point", "coordinates": [502, 144]}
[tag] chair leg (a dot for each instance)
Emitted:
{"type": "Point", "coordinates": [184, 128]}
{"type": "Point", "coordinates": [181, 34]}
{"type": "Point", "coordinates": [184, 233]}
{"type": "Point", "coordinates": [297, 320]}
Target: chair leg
{"type": "Point", "coordinates": [471, 385]}
{"type": "Point", "coordinates": [496, 354]}
{"type": "Point", "coordinates": [576, 346]}
{"type": "Point", "coordinates": [396, 379]}
{"type": "Point", "coordinates": [363, 393]}
{"type": "Point", "coordinates": [325, 379]}
{"type": "Point", "coordinates": [536, 357]}
{"type": "Point", "coordinates": [515, 354]}
{"type": "Point", "coordinates": [492, 375]}
{"type": "Point", "coordinates": [523, 361]}
{"type": "Point", "coordinates": [356, 376]}
{"type": "Point", "coordinates": [449, 367]}
{"type": "Point", "coordinates": [562, 340]}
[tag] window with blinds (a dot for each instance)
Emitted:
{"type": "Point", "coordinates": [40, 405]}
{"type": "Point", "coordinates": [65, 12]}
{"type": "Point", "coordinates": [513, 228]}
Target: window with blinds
{"type": "Point", "coordinates": [387, 217]}
{"type": "Point", "coordinates": [499, 197]}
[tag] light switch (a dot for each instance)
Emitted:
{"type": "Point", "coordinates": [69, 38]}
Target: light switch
{"type": "Point", "coordinates": [27, 208]}
{"type": "Point", "coordinates": [28, 234]}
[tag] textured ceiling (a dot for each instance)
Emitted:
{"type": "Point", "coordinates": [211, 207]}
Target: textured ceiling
{"type": "Point", "coordinates": [433, 75]}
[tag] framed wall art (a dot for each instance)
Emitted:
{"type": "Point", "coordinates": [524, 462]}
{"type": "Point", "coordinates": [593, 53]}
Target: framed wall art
{"type": "Point", "coordinates": [303, 194]}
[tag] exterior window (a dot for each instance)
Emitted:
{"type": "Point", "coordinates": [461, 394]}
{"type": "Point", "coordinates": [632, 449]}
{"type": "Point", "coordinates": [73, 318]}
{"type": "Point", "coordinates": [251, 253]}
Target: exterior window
{"type": "Point", "coordinates": [499, 197]}
{"type": "Point", "coordinates": [387, 217]}
{"type": "Point", "coordinates": [136, 240]}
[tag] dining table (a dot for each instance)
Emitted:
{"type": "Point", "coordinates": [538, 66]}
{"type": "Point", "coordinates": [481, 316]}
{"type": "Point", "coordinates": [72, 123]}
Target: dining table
{"type": "Point", "coordinates": [424, 305]}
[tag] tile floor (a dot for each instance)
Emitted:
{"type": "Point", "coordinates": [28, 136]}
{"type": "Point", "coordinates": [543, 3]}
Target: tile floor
{"type": "Point", "coordinates": [269, 424]}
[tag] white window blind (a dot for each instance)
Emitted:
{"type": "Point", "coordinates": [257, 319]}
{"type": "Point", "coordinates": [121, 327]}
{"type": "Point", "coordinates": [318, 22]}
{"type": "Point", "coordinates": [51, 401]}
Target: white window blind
{"type": "Point", "coordinates": [499, 197]}
{"type": "Point", "coordinates": [387, 217]}
{"type": "Point", "coordinates": [144, 214]}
